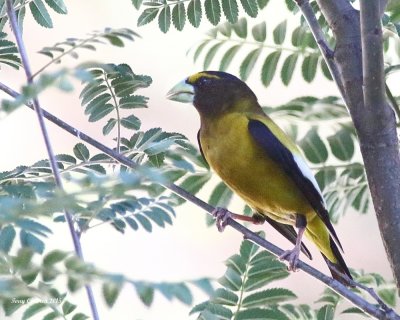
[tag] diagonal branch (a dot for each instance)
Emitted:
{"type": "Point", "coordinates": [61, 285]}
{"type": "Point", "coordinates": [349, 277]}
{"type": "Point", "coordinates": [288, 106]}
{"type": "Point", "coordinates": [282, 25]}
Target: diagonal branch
{"type": "Point", "coordinates": [326, 51]}
{"type": "Point", "coordinates": [53, 163]}
{"type": "Point", "coordinates": [379, 312]}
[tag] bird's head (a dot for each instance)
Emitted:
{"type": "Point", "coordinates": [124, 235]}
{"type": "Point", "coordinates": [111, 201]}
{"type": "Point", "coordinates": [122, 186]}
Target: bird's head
{"type": "Point", "coordinates": [213, 93]}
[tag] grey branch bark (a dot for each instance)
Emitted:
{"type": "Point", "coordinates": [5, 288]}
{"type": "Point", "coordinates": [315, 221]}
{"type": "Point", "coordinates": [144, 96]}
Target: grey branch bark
{"type": "Point", "coordinates": [359, 58]}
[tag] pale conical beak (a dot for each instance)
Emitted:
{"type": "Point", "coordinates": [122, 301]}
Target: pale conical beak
{"type": "Point", "coordinates": [182, 92]}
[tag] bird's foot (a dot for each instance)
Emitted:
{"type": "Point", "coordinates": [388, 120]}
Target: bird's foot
{"type": "Point", "coordinates": [221, 215]}
{"type": "Point", "coordinates": [292, 256]}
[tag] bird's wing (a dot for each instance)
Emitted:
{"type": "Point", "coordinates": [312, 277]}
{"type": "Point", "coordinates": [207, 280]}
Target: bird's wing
{"type": "Point", "coordinates": [289, 233]}
{"type": "Point", "coordinates": [294, 166]}
{"type": "Point", "coordinates": [201, 149]}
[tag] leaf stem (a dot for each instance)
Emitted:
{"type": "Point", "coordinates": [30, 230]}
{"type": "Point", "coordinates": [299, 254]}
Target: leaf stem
{"type": "Point", "coordinates": [116, 109]}
{"type": "Point", "coordinates": [367, 307]}
{"type": "Point", "coordinates": [53, 163]}
{"type": "Point", "coordinates": [53, 60]}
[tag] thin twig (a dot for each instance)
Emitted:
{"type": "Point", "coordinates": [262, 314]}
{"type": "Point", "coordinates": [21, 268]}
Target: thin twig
{"type": "Point", "coordinates": [326, 51]}
{"type": "Point", "coordinates": [53, 162]}
{"type": "Point", "coordinates": [369, 308]}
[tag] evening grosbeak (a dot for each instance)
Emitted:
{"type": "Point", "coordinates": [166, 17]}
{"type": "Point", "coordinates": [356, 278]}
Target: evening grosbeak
{"type": "Point", "coordinates": [261, 164]}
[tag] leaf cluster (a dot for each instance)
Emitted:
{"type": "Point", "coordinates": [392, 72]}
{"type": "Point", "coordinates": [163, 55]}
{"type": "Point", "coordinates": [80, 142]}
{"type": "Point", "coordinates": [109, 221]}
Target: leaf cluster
{"type": "Point", "coordinates": [193, 12]}
{"type": "Point", "coordinates": [38, 9]}
{"type": "Point", "coordinates": [225, 42]}
{"type": "Point", "coordinates": [111, 88]}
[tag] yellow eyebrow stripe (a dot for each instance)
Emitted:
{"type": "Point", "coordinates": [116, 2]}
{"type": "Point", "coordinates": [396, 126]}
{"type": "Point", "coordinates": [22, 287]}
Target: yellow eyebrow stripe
{"type": "Point", "coordinates": [193, 78]}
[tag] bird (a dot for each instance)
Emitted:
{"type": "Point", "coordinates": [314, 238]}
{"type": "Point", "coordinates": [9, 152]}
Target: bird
{"type": "Point", "coordinates": [262, 165]}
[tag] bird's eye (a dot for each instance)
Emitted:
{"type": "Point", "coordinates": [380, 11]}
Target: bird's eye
{"type": "Point", "coordinates": [203, 81]}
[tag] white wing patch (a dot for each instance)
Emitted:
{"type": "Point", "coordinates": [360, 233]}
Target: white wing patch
{"type": "Point", "coordinates": [306, 171]}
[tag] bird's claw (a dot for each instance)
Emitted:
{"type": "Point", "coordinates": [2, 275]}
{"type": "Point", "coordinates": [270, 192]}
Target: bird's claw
{"type": "Point", "coordinates": [292, 256]}
{"type": "Point", "coordinates": [221, 215]}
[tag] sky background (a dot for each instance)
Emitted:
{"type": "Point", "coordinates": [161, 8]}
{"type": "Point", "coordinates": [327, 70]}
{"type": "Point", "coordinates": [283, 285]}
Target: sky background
{"type": "Point", "coordinates": [188, 249]}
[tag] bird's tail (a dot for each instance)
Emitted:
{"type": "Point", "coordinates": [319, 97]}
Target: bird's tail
{"type": "Point", "coordinates": [338, 269]}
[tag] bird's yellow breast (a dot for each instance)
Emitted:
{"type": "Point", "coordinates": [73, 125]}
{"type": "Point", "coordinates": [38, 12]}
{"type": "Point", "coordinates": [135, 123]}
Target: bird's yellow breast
{"type": "Point", "coordinates": [231, 151]}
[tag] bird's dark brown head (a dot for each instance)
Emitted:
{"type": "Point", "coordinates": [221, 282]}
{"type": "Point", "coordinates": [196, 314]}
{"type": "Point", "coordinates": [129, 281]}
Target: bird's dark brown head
{"type": "Point", "coordinates": [213, 93]}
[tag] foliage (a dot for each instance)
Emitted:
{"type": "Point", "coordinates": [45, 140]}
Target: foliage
{"type": "Point", "coordinates": [243, 295]}
{"type": "Point", "coordinates": [38, 9]}
{"type": "Point", "coordinates": [111, 88]}
{"type": "Point", "coordinates": [232, 39]}
{"type": "Point", "coordinates": [194, 11]}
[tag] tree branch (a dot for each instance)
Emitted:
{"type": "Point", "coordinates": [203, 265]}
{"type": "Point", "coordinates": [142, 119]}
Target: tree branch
{"type": "Point", "coordinates": [378, 137]}
{"type": "Point", "coordinates": [53, 163]}
{"type": "Point", "coordinates": [369, 308]}
{"type": "Point", "coordinates": [326, 51]}
{"type": "Point", "coordinates": [373, 119]}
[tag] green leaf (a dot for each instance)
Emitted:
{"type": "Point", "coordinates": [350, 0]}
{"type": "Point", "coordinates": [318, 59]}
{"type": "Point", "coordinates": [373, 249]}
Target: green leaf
{"type": "Point", "coordinates": [288, 68]}
{"type": "Point", "coordinates": [216, 312]}
{"type": "Point", "coordinates": [240, 28]}
{"type": "Point", "coordinates": [325, 177]}
{"type": "Point", "coordinates": [251, 7]}
{"type": "Point", "coordinates": [213, 11]}
{"type": "Point", "coordinates": [268, 297]}
{"type": "Point", "coordinates": [33, 309]}
{"type": "Point", "coordinates": [325, 70]}
{"type": "Point", "coordinates": [147, 16]}
{"type": "Point", "coordinates": [164, 19]}
{"type": "Point", "coordinates": [58, 6]}
{"type": "Point", "coordinates": [226, 297]}
{"type": "Point", "coordinates": [313, 147]}
{"type": "Point", "coordinates": [230, 9]}
{"type": "Point", "coordinates": [259, 32]}
{"type": "Point", "coordinates": [7, 236]}
{"type": "Point", "coordinates": [31, 241]}
{"type": "Point", "coordinates": [280, 32]}
{"type": "Point", "coordinates": [237, 263]}
{"type": "Point", "coordinates": [194, 12]}
{"type": "Point", "coordinates": [388, 295]}
{"type": "Point", "coordinates": [327, 312]}
{"type": "Point", "coordinates": [100, 111]}
{"type": "Point", "coordinates": [54, 257]}
{"type": "Point", "coordinates": [68, 307]}
{"type": "Point", "coordinates": [133, 101]}
{"type": "Point", "coordinates": [269, 67]}
{"type": "Point", "coordinates": [137, 3]}
{"type": "Point", "coordinates": [97, 103]}
{"type": "Point", "coordinates": [111, 291]}
{"type": "Point", "coordinates": [81, 152]}
{"type": "Point", "coordinates": [309, 67]}
{"type": "Point", "coordinates": [260, 314]}
{"type": "Point", "coordinates": [221, 196]}
{"type": "Point", "coordinates": [145, 293]}
{"type": "Point", "coordinates": [131, 122]}
{"type": "Point", "coordinates": [80, 316]}
{"type": "Point", "coordinates": [109, 126]}
{"type": "Point", "coordinates": [40, 13]}
{"type": "Point", "coordinates": [195, 182]}
{"type": "Point", "coordinates": [179, 16]}
{"type": "Point", "coordinates": [144, 222]}
{"type": "Point", "coordinates": [342, 144]}
{"type": "Point", "coordinates": [248, 63]}
{"type": "Point", "coordinates": [228, 57]}
{"type": "Point", "coordinates": [231, 280]}
{"type": "Point", "coordinates": [211, 54]}
{"type": "Point", "coordinates": [262, 3]}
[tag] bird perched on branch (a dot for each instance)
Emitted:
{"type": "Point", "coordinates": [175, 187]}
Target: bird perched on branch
{"type": "Point", "coordinates": [261, 164]}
